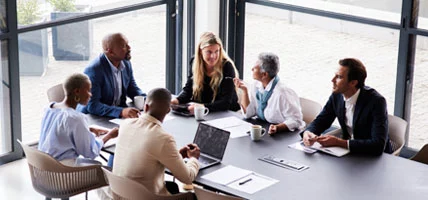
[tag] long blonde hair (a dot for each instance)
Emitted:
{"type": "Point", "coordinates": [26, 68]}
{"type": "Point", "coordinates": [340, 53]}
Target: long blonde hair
{"type": "Point", "coordinates": [198, 67]}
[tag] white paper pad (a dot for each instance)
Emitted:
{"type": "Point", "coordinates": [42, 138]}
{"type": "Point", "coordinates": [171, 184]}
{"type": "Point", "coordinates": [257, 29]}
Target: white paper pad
{"type": "Point", "coordinates": [237, 127]}
{"type": "Point", "coordinates": [240, 179]}
{"type": "Point", "coordinates": [336, 151]}
{"type": "Point", "coordinates": [116, 121]}
{"type": "Point", "coordinates": [300, 146]}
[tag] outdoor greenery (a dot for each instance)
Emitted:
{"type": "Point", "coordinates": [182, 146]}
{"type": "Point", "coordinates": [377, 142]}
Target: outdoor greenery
{"type": "Point", "coordinates": [63, 5]}
{"type": "Point", "coordinates": [27, 11]}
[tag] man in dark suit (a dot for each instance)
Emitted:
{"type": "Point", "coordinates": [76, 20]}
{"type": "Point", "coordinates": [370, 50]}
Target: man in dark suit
{"type": "Point", "coordinates": [112, 80]}
{"type": "Point", "coordinates": [360, 110]}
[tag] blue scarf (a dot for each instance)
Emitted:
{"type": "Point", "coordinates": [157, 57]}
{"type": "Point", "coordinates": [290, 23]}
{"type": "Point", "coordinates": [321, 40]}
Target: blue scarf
{"type": "Point", "coordinates": [262, 99]}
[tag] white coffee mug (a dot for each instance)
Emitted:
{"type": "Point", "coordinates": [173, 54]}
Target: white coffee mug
{"type": "Point", "coordinates": [139, 102]}
{"type": "Point", "coordinates": [200, 111]}
{"type": "Point", "coordinates": [257, 132]}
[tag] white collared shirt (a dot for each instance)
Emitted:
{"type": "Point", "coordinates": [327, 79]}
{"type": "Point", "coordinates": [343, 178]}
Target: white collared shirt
{"type": "Point", "coordinates": [117, 73]}
{"type": "Point", "coordinates": [283, 106]}
{"type": "Point", "coordinates": [349, 114]}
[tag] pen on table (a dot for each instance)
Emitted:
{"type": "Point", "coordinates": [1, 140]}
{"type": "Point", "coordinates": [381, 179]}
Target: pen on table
{"type": "Point", "coordinates": [246, 181]}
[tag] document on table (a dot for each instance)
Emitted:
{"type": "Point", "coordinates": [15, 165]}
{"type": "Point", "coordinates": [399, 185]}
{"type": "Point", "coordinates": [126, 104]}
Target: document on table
{"type": "Point", "coordinates": [335, 151]}
{"type": "Point", "coordinates": [240, 179]}
{"type": "Point", "coordinates": [300, 146]}
{"type": "Point", "coordinates": [111, 141]}
{"type": "Point", "coordinates": [237, 127]}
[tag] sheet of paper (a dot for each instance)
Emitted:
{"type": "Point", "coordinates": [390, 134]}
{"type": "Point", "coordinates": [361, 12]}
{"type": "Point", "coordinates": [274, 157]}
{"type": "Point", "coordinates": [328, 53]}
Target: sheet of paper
{"type": "Point", "coordinates": [226, 175]}
{"type": "Point", "coordinates": [227, 122]}
{"type": "Point", "coordinates": [300, 146]}
{"type": "Point", "coordinates": [239, 131]}
{"type": "Point", "coordinates": [168, 117]}
{"type": "Point", "coordinates": [336, 151]}
{"type": "Point", "coordinates": [116, 121]}
{"type": "Point", "coordinates": [252, 183]}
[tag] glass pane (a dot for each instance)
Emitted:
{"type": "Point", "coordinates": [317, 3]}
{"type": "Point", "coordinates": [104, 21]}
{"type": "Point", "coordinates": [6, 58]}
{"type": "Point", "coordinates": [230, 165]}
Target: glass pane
{"type": "Point", "coordinates": [418, 131]}
{"type": "Point", "coordinates": [36, 11]}
{"type": "Point", "coordinates": [386, 10]}
{"type": "Point", "coordinates": [3, 20]}
{"type": "Point", "coordinates": [423, 14]}
{"type": "Point", "coordinates": [46, 61]}
{"type": "Point", "coordinates": [309, 54]}
{"type": "Point", "coordinates": [5, 131]}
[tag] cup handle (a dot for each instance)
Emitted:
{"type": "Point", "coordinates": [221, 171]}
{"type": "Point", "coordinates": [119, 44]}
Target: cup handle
{"type": "Point", "coordinates": [206, 111]}
{"type": "Point", "coordinates": [263, 132]}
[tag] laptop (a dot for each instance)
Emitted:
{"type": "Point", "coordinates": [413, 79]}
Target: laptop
{"type": "Point", "coordinates": [212, 141]}
{"type": "Point", "coordinates": [181, 109]}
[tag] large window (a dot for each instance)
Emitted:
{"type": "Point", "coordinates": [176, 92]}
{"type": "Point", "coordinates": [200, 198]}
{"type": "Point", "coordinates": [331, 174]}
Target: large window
{"type": "Point", "coordinates": [5, 130]}
{"type": "Point", "coordinates": [310, 47]}
{"type": "Point", "coordinates": [386, 10]}
{"type": "Point", "coordinates": [423, 14]}
{"type": "Point", "coordinates": [418, 120]}
{"type": "Point", "coordinates": [43, 64]}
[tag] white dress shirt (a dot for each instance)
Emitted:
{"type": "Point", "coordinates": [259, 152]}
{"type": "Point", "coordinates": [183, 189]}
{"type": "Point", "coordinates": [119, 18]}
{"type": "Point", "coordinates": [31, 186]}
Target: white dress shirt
{"type": "Point", "coordinates": [117, 77]}
{"type": "Point", "coordinates": [349, 113]}
{"type": "Point", "coordinates": [283, 105]}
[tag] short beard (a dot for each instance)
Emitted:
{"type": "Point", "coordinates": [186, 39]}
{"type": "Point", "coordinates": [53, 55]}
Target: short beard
{"type": "Point", "coordinates": [128, 56]}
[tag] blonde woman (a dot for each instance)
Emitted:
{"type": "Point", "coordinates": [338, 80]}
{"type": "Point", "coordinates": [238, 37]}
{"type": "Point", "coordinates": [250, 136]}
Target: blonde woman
{"type": "Point", "coordinates": [211, 80]}
{"type": "Point", "coordinates": [65, 134]}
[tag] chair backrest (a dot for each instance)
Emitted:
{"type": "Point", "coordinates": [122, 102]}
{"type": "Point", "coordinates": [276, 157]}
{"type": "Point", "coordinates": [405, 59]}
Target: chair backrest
{"type": "Point", "coordinates": [56, 93]}
{"type": "Point", "coordinates": [397, 132]}
{"type": "Point", "coordinates": [310, 109]}
{"type": "Point", "coordinates": [203, 194]}
{"type": "Point", "coordinates": [126, 189]}
{"type": "Point", "coordinates": [55, 180]}
{"type": "Point", "coordinates": [422, 155]}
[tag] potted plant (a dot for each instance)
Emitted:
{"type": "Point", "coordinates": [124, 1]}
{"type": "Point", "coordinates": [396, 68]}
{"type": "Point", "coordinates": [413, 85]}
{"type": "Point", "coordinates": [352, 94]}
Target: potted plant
{"type": "Point", "coordinates": [70, 41]}
{"type": "Point", "coordinates": [33, 45]}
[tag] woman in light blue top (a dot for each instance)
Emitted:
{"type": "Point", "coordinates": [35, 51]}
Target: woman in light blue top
{"type": "Point", "coordinates": [65, 134]}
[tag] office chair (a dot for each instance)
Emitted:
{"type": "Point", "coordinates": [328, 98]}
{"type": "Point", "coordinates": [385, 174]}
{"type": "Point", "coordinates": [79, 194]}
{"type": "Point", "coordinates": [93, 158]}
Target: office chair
{"type": "Point", "coordinates": [126, 189]}
{"type": "Point", "coordinates": [397, 131]}
{"type": "Point", "coordinates": [55, 180]}
{"type": "Point", "coordinates": [203, 194]}
{"type": "Point", "coordinates": [56, 93]}
{"type": "Point", "coordinates": [422, 155]}
{"type": "Point", "coordinates": [310, 110]}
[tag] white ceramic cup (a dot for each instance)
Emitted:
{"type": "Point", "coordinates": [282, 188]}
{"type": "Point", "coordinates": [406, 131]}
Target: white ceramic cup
{"type": "Point", "coordinates": [139, 102]}
{"type": "Point", "coordinates": [200, 111]}
{"type": "Point", "coordinates": [257, 132]}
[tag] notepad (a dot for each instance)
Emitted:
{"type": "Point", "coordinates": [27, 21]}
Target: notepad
{"type": "Point", "coordinates": [237, 127]}
{"type": "Point", "coordinates": [335, 151]}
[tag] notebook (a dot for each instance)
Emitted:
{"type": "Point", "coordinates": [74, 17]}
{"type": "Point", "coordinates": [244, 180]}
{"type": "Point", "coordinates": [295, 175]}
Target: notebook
{"type": "Point", "coordinates": [212, 141]}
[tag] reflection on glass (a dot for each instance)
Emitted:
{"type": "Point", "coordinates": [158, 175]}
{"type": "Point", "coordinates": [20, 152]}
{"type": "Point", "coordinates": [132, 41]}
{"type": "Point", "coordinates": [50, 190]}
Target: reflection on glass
{"type": "Point", "coordinates": [423, 14]}
{"type": "Point", "coordinates": [36, 11]}
{"type": "Point", "coordinates": [309, 52]}
{"type": "Point", "coordinates": [418, 130]}
{"type": "Point", "coordinates": [5, 131]}
{"type": "Point", "coordinates": [3, 25]}
{"type": "Point", "coordinates": [387, 10]}
{"type": "Point", "coordinates": [145, 30]}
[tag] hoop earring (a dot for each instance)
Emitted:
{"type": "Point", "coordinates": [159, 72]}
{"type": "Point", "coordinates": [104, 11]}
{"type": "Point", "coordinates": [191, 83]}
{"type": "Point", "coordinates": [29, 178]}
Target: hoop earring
{"type": "Point", "coordinates": [77, 99]}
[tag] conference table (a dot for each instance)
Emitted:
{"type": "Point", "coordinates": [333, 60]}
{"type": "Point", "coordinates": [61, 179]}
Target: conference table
{"type": "Point", "coordinates": [349, 177]}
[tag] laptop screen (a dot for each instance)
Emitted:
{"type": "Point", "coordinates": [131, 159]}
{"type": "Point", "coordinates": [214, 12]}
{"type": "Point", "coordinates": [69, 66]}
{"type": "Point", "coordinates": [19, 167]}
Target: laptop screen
{"type": "Point", "coordinates": [211, 140]}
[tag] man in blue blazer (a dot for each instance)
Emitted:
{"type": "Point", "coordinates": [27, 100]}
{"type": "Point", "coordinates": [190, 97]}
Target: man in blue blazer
{"type": "Point", "coordinates": [112, 80]}
{"type": "Point", "coordinates": [360, 110]}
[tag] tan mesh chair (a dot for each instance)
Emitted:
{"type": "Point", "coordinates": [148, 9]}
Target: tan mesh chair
{"type": "Point", "coordinates": [422, 155]}
{"type": "Point", "coordinates": [310, 110]}
{"type": "Point", "coordinates": [55, 180]}
{"type": "Point", "coordinates": [397, 131]}
{"type": "Point", "coordinates": [56, 93]}
{"type": "Point", "coordinates": [203, 194]}
{"type": "Point", "coordinates": [126, 189]}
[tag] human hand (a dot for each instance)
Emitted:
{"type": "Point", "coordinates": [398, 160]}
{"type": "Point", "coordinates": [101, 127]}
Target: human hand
{"type": "Point", "coordinates": [309, 138]}
{"type": "Point", "coordinates": [193, 151]}
{"type": "Point", "coordinates": [191, 108]}
{"type": "Point", "coordinates": [272, 129]}
{"type": "Point", "coordinates": [111, 134]}
{"type": "Point", "coordinates": [175, 102]}
{"type": "Point", "coordinates": [129, 112]}
{"type": "Point", "coordinates": [183, 151]}
{"type": "Point", "coordinates": [98, 131]}
{"type": "Point", "coordinates": [240, 84]}
{"type": "Point", "coordinates": [328, 140]}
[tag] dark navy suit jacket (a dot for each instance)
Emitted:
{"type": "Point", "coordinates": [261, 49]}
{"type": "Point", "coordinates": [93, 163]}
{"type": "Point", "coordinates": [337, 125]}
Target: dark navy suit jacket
{"type": "Point", "coordinates": [101, 102]}
{"type": "Point", "coordinates": [370, 122]}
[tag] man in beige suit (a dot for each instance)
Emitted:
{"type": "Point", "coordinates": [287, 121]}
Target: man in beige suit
{"type": "Point", "coordinates": [144, 149]}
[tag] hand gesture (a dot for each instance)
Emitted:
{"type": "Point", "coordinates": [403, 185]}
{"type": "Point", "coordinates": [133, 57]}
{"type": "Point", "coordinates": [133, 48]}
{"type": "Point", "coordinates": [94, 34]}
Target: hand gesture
{"type": "Point", "coordinates": [239, 84]}
{"type": "Point", "coordinates": [193, 151]}
{"type": "Point", "coordinates": [175, 102]}
{"type": "Point", "coordinates": [129, 112]}
{"type": "Point", "coordinates": [98, 131]}
{"type": "Point", "coordinates": [309, 138]}
{"type": "Point", "coordinates": [327, 140]}
{"type": "Point", "coordinates": [272, 129]}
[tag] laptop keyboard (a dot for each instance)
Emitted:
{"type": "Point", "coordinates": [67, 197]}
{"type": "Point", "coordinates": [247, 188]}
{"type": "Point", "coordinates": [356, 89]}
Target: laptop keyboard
{"type": "Point", "coordinates": [205, 160]}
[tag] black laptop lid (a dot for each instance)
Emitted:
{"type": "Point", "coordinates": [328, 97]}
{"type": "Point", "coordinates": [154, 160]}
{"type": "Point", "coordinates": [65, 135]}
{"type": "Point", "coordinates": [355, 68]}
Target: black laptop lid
{"type": "Point", "coordinates": [211, 140]}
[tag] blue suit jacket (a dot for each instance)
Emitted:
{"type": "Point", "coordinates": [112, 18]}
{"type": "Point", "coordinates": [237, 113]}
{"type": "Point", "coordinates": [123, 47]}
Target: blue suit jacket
{"type": "Point", "coordinates": [370, 122]}
{"type": "Point", "coordinates": [101, 102]}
